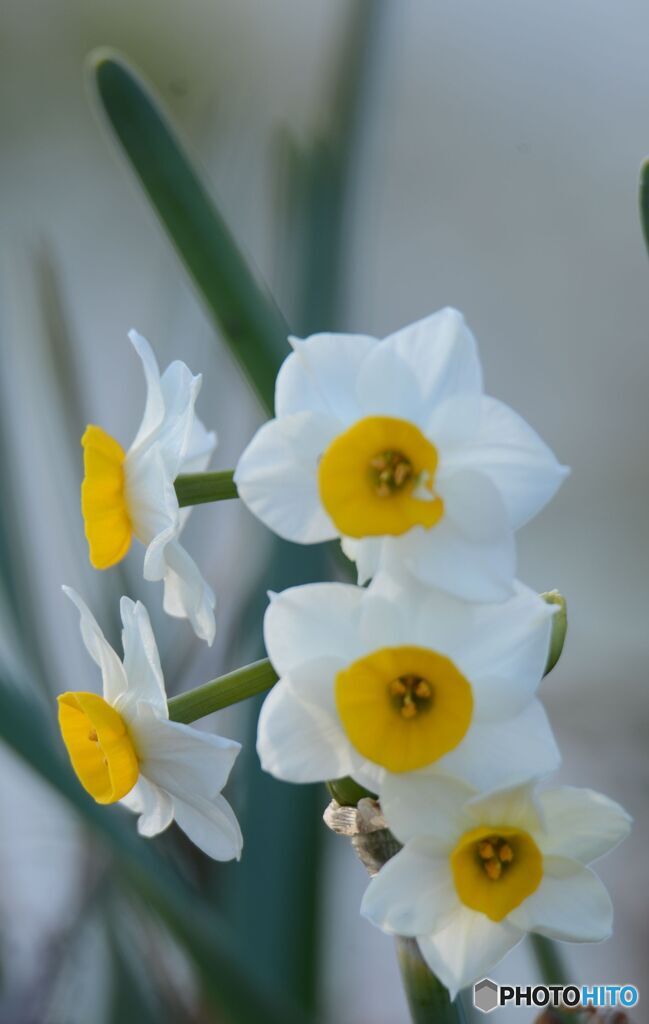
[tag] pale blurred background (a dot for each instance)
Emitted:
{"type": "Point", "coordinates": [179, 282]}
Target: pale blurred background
{"type": "Point", "coordinates": [495, 167]}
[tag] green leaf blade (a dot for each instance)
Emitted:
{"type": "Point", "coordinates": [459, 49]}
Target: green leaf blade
{"type": "Point", "coordinates": [251, 323]}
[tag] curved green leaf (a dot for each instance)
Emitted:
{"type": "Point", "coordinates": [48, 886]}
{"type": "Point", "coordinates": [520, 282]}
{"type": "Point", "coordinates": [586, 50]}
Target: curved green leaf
{"type": "Point", "coordinates": [249, 319]}
{"type": "Point", "coordinates": [644, 201]}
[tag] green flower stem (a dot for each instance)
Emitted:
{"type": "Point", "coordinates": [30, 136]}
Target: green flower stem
{"type": "Point", "coordinates": [199, 488]}
{"type": "Point", "coordinates": [644, 201]}
{"type": "Point", "coordinates": [347, 793]}
{"type": "Point", "coordinates": [428, 999]}
{"type": "Point", "coordinates": [222, 692]}
{"type": "Point", "coordinates": [551, 964]}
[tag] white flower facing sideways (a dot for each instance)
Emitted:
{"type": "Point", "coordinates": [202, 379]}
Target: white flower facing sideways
{"type": "Point", "coordinates": [392, 446]}
{"type": "Point", "coordinates": [123, 747]}
{"type": "Point", "coordinates": [126, 494]}
{"type": "Point", "coordinates": [396, 679]}
{"type": "Point", "coordinates": [477, 873]}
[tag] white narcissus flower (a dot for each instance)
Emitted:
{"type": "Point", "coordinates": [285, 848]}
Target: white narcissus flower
{"type": "Point", "coordinates": [126, 494]}
{"type": "Point", "coordinates": [398, 679]}
{"type": "Point", "coordinates": [123, 747]}
{"type": "Point", "coordinates": [477, 873]}
{"type": "Point", "coordinates": [392, 446]}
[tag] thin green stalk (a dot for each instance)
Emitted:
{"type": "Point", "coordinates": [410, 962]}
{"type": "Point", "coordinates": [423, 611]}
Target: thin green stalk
{"type": "Point", "coordinates": [644, 201]}
{"type": "Point", "coordinates": [428, 999]}
{"type": "Point", "coordinates": [549, 960]}
{"type": "Point", "coordinates": [199, 488]}
{"type": "Point", "coordinates": [222, 692]}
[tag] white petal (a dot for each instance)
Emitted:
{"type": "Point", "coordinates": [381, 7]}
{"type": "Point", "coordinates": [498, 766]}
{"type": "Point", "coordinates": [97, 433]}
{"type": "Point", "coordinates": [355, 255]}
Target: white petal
{"type": "Point", "coordinates": [152, 502]}
{"type": "Point", "coordinates": [442, 354]}
{"type": "Point", "coordinates": [388, 386]}
{"type": "Point", "coordinates": [365, 553]}
{"type": "Point", "coordinates": [320, 376]}
{"type": "Point", "coordinates": [431, 618]}
{"type": "Point", "coordinates": [581, 824]}
{"type": "Point", "coordinates": [513, 456]}
{"type": "Point", "coordinates": [200, 446]}
{"type": "Point", "coordinates": [299, 736]}
{"type": "Point", "coordinates": [495, 754]}
{"type": "Point", "coordinates": [179, 758]}
{"type": "Point", "coordinates": [141, 660]}
{"type": "Point", "coordinates": [313, 620]}
{"type": "Point", "coordinates": [505, 652]}
{"type": "Point", "coordinates": [277, 476]}
{"type": "Point", "coordinates": [517, 806]}
{"type": "Point", "coordinates": [453, 423]}
{"type": "Point", "coordinates": [571, 903]}
{"type": "Point", "coordinates": [154, 406]}
{"type": "Point", "coordinates": [169, 411]}
{"type": "Point", "coordinates": [467, 948]}
{"type": "Point", "coordinates": [112, 671]}
{"type": "Point", "coordinates": [470, 552]}
{"type": "Point", "coordinates": [154, 806]}
{"type": "Point", "coordinates": [384, 623]}
{"type": "Point", "coordinates": [413, 893]}
{"type": "Point", "coordinates": [187, 595]}
{"type": "Point", "coordinates": [210, 824]}
{"type": "Point", "coordinates": [180, 390]}
{"type": "Point", "coordinates": [424, 805]}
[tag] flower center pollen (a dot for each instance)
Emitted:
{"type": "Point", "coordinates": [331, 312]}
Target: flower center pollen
{"type": "Point", "coordinates": [390, 471]}
{"type": "Point", "coordinates": [411, 694]}
{"type": "Point", "coordinates": [404, 707]}
{"type": "Point", "coordinates": [496, 856]}
{"type": "Point", "coordinates": [376, 479]}
{"type": "Point", "coordinates": [495, 869]}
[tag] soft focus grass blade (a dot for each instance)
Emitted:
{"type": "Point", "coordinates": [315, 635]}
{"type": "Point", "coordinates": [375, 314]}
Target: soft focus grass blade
{"type": "Point", "coordinates": [25, 727]}
{"type": "Point", "coordinates": [644, 201]}
{"type": "Point", "coordinates": [287, 933]}
{"type": "Point", "coordinates": [247, 316]}
{"type": "Point", "coordinates": [280, 871]}
{"type": "Point", "coordinates": [272, 896]}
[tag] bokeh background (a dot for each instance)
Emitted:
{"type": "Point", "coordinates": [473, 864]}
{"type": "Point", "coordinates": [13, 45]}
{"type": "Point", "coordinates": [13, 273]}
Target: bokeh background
{"type": "Point", "coordinates": [375, 162]}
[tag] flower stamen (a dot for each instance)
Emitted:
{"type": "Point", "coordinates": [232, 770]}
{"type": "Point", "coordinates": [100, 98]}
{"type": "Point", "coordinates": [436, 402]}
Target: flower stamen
{"type": "Point", "coordinates": [495, 854]}
{"type": "Point", "coordinates": [390, 471]}
{"type": "Point", "coordinates": [410, 694]}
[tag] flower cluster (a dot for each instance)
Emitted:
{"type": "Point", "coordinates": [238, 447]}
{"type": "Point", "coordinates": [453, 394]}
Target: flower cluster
{"type": "Point", "coordinates": [122, 745]}
{"type": "Point", "coordinates": [423, 686]}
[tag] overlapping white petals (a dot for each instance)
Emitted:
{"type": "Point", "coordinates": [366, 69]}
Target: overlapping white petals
{"type": "Point", "coordinates": [299, 736]}
{"type": "Point", "coordinates": [571, 904]}
{"type": "Point", "coordinates": [415, 888]}
{"type": "Point", "coordinates": [494, 472]}
{"type": "Point", "coordinates": [467, 948]}
{"type": "Point", "coordinates": [314, 631]}
{"type": "Point", "coordinates": [170, 440]}
{"type": "Point", "coordinates": [182, 770]}
{"type": "Point", "coordinates": [415, 894]}
{"type": "Point", "coordinates": [113, 676]}
{"type": "Point", "coordinates": [581, 823]}
{"type": "Point", "coordinates": [276, 478]}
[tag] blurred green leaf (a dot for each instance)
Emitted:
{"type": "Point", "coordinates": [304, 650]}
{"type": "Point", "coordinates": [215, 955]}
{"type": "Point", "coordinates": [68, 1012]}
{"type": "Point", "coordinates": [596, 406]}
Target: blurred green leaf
{"type": "Point", "coordinates": [247, 316]}
{"type": "Point", "coordinates": [644, 201]}
{"type": "Point", "coordinates": [228, 982]}
{"type": "Point", "coordinates": [287, 934]}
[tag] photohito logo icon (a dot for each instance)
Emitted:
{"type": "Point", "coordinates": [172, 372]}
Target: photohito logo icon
{"type": "Point", "coordinates": [485, 995]}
